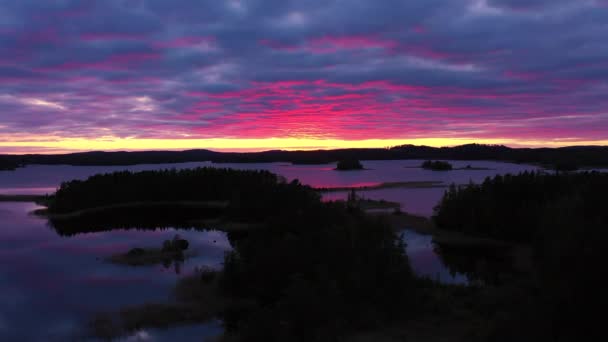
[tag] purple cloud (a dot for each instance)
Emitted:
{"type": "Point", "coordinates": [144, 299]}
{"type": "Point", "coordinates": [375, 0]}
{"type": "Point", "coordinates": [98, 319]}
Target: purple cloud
{"type": "Point", "coordinates": [338, 69]}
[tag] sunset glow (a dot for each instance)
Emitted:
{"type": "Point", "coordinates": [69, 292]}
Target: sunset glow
{"type": "Point", "coordinates": [255, 75]}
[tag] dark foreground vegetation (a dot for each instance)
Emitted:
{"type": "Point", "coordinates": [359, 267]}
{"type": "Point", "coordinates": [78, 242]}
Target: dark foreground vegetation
{"type": "Point", "coordinates": [561, 158]}
{"type": "Point", "coordinates": [437, 165]}
{"type": "Point", "coordinates": [563, 219]}
{"type": "Point", "coordinates": [315, 271]}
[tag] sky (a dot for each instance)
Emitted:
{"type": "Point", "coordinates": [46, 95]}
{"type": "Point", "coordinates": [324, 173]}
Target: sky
{"type": "Point", "coordinates": [269, 74]}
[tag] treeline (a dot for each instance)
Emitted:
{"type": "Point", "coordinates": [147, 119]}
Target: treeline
{"type": "Point", "coordinates": [563, 218]}
{"type": "Point", "coordinates": [251, 194]}
{"type": "Point", "coordinates": [566, 158]}
{"type": "Point", "coordinates": [515, 208]}
{"type": "Point", "coordinates": [8, 163]}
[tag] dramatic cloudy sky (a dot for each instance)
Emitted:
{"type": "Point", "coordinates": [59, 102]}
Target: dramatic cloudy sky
{"type": "Point", "coordinates": [255, 74]}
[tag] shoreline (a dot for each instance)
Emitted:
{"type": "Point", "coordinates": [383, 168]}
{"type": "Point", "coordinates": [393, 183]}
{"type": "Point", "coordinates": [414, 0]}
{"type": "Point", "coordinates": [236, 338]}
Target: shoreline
{"type": "Point", "coordinates": [22, 198]}
{"type": "Point", "coordinates": [386, 185]}
{"type": "Point", "coordinates": [128, 205]}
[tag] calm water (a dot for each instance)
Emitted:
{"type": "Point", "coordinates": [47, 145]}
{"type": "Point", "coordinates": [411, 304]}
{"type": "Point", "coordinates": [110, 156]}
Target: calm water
{"type": "Point", "coordinates": [41, 179]}
{"type": "Point", "coordinates": [424, 260]}
{"type": "Point", "coordinates": [56, 284]}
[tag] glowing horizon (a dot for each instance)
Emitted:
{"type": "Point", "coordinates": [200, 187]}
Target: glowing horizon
{"type": "Point", "coordinates": [253, 75]}
{"type": "Point", "coordinates": [255, 145]}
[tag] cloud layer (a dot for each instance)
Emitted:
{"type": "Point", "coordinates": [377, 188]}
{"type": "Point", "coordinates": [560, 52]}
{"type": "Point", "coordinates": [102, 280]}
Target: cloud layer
{"type": "Point", "coordinates": [533, 70]}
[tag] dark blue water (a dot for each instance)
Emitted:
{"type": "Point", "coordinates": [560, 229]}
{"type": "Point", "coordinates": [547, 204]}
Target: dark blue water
{"type": "Point", "coordinates": [56, 284]}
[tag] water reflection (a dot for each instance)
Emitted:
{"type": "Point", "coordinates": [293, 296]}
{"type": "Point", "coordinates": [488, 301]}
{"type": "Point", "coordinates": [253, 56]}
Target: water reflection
{"type": "Point", "coordinates": [425, 260]}
{"type": "Point", "coordinates": [56, 283]}
{"type": "Point", "coordinates": [481, 265]}
{"type": "Point", "coordinates": [136, 218]}
{"type": "Point", "coordinates": [189, 333]}
{"type": "Point", "coordinates": [41, 179]}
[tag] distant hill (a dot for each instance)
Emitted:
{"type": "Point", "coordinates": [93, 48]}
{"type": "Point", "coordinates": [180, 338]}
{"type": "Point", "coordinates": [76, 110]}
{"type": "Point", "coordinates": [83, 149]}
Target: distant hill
{"type": "Point", "coordinates": [578, 156]}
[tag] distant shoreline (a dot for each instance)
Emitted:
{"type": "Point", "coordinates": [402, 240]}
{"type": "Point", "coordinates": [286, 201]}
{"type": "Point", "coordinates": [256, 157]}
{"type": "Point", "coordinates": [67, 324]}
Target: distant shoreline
{"type": "Point", "coordinates": [580, 156]}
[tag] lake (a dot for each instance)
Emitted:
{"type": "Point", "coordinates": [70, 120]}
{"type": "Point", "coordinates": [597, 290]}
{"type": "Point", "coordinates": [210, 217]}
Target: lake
{"type": "Point", "coordinates": [51, 285]}
{"type": "Point", "coordinates": [41, 179]}
{"type": "Point", "coordinates": [56, 284]}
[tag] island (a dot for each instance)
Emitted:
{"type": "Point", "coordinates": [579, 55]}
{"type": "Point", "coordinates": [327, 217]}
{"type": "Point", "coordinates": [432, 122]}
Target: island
{"type": "Point", "coordinates": [436, 165]}
{"type": "Point", "coordinates": [348, 165]}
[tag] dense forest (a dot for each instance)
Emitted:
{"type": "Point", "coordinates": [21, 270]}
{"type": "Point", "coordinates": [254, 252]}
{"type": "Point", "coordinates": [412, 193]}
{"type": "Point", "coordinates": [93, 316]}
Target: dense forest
{"type": "Point", "coordinates": [563, 218]}
{"type": "Point", "coordinates": [561, 158]}
{"type": "Point", "coordinates": [319, 274]}
{"type": "Point", "coordinates": [250, 194]}
{"type": "Point", "coordinates": [517, 207]}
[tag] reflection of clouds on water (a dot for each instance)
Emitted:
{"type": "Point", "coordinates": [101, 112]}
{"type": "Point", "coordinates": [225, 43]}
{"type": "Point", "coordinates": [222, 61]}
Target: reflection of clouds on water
{"type": "Point", "coordinates": [188, 333]}
{"type": "Point", "coordinates": [424, 260]}
{"type": "Point", "coordinates": [58, 283]}
{"type": "Point", "coordinates": [141, 335]}
{"type": "Point", "coordinates": [48, 177]}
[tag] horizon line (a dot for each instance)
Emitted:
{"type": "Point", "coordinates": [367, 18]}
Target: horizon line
{"type": "Point", "coordinates": [113, 144]}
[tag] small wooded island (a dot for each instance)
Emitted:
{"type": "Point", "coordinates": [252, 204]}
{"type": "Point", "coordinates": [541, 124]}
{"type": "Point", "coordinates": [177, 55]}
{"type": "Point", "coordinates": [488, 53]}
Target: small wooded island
{"type": "Point", "coordinates": [349, 164]}
{"type": "Point", "coordinates": [437, 165]}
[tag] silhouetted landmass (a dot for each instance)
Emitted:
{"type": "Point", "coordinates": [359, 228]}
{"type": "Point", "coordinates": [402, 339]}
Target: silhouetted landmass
{"type": "Point", "coordinates": [436, 165]}
{"type": "Point", "coordinates": [513, 207]}
{"type": "Point", "coordinates": [326, 271]}
{"type": "Point", "coordinates": [349, 164]}
{"type": "Point", "coordinates": [313, 269]}
{"type": "Point", "coordinates": [563, 219]}
{"type": "Point", "coordinates": [249, 193]}
{"type": "Point", "coordinates": [582, 156]}
{"type": "Point", "coordinates": [8, 163]}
